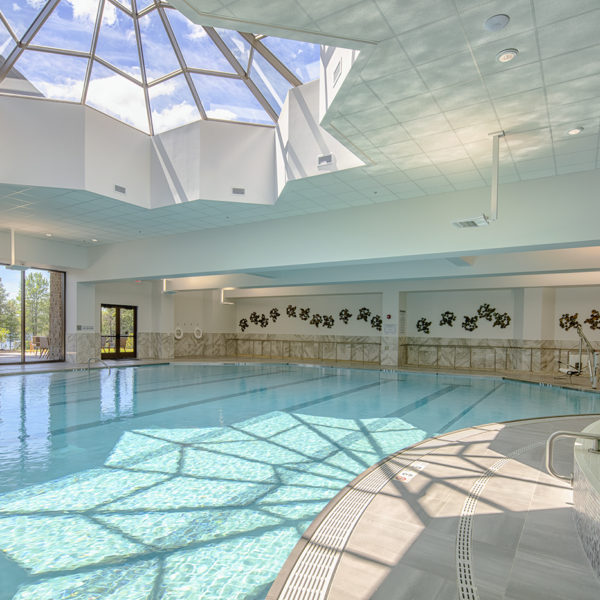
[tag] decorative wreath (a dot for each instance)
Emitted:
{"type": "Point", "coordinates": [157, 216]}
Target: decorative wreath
{"type": "Point", "coordinates": [316, 320]}
{"type": "Point", "coordinates": [501, 320]}
{"type": "Point", "coordinates": [290, 311]}
{"type": "Point", "coordinates": [328, 321]}
{"type": "Point", "coordinates": [254, 318]}
{"type": "Point", "coordinates": [244, 324]}
{"type": "Point", "coordinates": [305, 314]}
{"type": "Point", "coordinates": [263, 321]}
{"type": "Point", "coordinates": [423, 325]}
{"type": "Point", "coordinates": [470, 323]}
{"type": "Point", "coordinates": [448, 318]}
{"type": "Point", "coordinates": [275, 314]}
{"type": "Point", "coordinates": [568, 321]}
{"type": "Point", "coordinates": [594, 320]}
{"type": "Point", "coordinates": [485, 311]}
{"type": "Point", "coordinates": [363, 314]}
{"type": "Point", "coordinates": [345, 315]}
{"type": "Point", "coordinates": [376, 322]}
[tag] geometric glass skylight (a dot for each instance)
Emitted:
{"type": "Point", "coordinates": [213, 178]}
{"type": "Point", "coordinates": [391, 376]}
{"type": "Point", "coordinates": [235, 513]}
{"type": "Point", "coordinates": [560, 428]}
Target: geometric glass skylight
{"type": "Point", "coordinates": [145, 63]}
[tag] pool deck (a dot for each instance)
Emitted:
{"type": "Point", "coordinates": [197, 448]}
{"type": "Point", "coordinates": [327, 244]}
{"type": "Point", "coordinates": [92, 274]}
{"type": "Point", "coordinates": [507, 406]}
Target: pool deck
{"type": "Point", "coordinates": [471, 514]}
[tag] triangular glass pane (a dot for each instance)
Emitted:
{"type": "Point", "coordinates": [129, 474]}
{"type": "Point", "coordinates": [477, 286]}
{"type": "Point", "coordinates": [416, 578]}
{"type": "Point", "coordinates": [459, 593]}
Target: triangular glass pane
{"type": "Point", "coordinates": [172, 104]}
{"type": "Point", "coordinates": [126, 4]}
{"type": "Point", "coordinates": [273, 86]}
{"type": "Point", "coordinates": [117, 42]}
{"type": "Point", "coordinates": [20, 15]}
{"type": "Point", "coordinates": [115, 95]}
{"type": "Point", "coordinates": [199, 51]}
{"type": "Point", "coordinates": [142, 4]}
{"type": "Point", "coordinates": [301, 58]}
{"type": "Point", "coordinates": [56, 76]}
{"type": "Point", "coordinates": [159, 56]}
{"type": "Point", "coordinates": [6, 42]}
{"type": "Point", "coordinates": [70, 26]}
{"type": "Point", "coordinates": [237, 44]}
{"type": "Point", "coordinates": [229, 99]}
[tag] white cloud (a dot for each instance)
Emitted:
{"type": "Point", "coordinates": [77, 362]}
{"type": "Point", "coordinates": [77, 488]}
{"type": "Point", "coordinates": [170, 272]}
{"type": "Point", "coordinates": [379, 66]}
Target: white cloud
{"type": "Point", "coordinates": [196, 32]}
{"type": "Point", "coordinates": [70, 89]}
{"type": "Point", "coordinates": [174, 116]}
{"type": "Point", "coordinates": [119, 97]}
{"type": "Point", "coordinates": [86, 10]}
{"type": "Point", "coordinates": [37, 4]}
{"type": "Point", "coordinates": [222, 113]}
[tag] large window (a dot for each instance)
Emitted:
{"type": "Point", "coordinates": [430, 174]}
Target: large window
{"type": "Point", "coordinates": [32, 315]}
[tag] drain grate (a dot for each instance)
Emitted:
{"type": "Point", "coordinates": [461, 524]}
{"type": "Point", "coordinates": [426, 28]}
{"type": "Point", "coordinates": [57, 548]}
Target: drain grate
{"type": "Point", "coordinates": [467, 590]}
{"type": "Point", "coordinates": [313, 571]}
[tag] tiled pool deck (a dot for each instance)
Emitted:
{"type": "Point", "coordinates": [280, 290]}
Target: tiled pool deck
{"type": "Point", "coordinates": [471, 514]}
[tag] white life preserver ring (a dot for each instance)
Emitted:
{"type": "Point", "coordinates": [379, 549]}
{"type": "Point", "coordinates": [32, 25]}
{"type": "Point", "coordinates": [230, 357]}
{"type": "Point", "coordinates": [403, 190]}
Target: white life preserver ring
{"type": "Point", "coordinates": [178, 333]}
{"type": "Point", "coordinates": [197, 333]}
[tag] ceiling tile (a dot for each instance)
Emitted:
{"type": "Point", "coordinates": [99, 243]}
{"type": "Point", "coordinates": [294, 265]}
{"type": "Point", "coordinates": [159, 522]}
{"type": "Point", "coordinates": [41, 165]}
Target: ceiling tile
{"type": "Point", "coordinates": [398, 86]}
{"type": "Point", "coordinates": [571, 65]}
{"type": "Point", "coordinates": [412, 15]}
{"type": "Point", "coordinates": [569, 34]}
{"type": "Point", "coordinates": [449, 71]}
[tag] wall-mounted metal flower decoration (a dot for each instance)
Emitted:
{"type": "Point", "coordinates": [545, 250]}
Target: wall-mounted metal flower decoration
{"type": "Point", "coordinates": [485, 311]}
{"type": "Point", "coordinates": [290, 311]}
{"type": "Point", "coordinates": [423, 325]}
{"type": "Point", "coordinates": [376, 322]}
{"type": "Point", "coordinates": [363, 314]}
{"type": "Point", "coordinates": [568, 321]}
{"type": "Point", "coordinates": [501, 320]}
{"type": "Point", "coordinates": [345, 315]}
{"type": "Point", "coordinates": [254, 318]}
{"type": "Point", "coordinates": [316, 320]}
{"type": "Point", "coordinates": [244, 324]}
{"type": "Point", "coordinates": [305, 314]}
{"type": "Point", "coordinates": [328, 321]}
{"type": "Point", "coordinates": [470, 323]}
{"type": "Point", "coordinates": [448, 318]}
{"type": "Point", "coordinates": [274, 314]}
{"type": "Point", "coordinates": [263, 321]}
{"type": "Point", "coordinates": [594, 320]}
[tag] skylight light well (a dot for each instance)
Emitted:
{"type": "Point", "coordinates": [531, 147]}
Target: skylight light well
{"type": "Point", "coordinates": [145, 63]}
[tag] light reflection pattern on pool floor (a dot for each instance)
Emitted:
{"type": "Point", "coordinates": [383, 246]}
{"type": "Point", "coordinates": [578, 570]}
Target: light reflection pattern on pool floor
{"type": "Point", "coordinates": [181, 512]}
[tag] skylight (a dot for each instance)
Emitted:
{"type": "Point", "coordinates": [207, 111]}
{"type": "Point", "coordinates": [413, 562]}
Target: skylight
{"type": "Point", "coordinates": [145, 63]}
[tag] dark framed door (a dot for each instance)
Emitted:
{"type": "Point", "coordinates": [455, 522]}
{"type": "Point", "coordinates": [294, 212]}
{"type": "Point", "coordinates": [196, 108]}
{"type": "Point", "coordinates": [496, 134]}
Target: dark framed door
{"type": "Point", "coordinates": [118, 331]}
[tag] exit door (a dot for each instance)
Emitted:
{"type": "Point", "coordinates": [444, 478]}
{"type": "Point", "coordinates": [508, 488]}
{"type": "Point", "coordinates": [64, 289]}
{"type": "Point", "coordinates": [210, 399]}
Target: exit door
{"type": "Point", "coordinates": [118, 331]}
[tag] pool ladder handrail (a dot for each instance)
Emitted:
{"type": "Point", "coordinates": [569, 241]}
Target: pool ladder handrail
{"type": "Point", "coordinates": [575, 434]}
{"type": "Point", "coordinates": [97, 360]}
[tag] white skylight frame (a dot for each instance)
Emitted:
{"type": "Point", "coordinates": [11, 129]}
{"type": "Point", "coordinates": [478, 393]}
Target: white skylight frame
{"type": "Point", "coordinates": [245, 73]}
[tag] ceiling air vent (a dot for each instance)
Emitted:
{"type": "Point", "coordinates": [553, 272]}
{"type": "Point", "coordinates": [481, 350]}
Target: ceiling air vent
{"type": "Point", "coordinates": [474, 222]}
{"type": "Point", "coordinates": [324, 161]}
{"type": "Point", "coordinates": [238, 191]}
{"type": "Point", "coordinates": [337, 72]}
{"type": "Point", "coordinates": [120, 189]}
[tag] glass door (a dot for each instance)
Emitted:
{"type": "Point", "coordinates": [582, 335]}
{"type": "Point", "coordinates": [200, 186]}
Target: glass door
{"type": "Point", "coordinates": [118, 332]}
{"type": "Point", "coordinates": [32, 315]}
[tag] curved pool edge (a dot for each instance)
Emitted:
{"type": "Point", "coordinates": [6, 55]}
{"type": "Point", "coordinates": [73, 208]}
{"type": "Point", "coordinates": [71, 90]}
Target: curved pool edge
{"type": "Point", "coordinates": [278, 589]}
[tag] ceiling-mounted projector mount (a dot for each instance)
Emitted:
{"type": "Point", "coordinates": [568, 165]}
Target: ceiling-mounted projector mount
{"type": "Point", "coordinates": [483, 219]}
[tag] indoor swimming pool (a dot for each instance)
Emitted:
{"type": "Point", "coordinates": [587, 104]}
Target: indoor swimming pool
{"type": "Point", "coordinates": [196, 481]}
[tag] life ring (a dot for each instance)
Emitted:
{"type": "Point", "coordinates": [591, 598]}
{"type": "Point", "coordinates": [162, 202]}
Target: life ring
{"type": "Point", "coordinates": [197, 333]}
{"type": "Point", "coordinates": [178, 333]}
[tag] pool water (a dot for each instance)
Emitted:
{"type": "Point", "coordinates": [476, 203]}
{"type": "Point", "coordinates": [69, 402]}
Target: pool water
{"type": "Point", "coordinates": [196, 481]}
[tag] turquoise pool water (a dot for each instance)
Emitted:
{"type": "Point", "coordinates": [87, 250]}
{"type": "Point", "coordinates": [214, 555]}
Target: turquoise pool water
{"type": "Point", "coordinates": [187, 482]}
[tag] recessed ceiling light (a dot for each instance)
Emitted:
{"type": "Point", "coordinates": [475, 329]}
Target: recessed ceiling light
{"type": "Point", "coordinates": [94, 240]}
{"type": "Point", "coordinates": [506, 55]}
{"type": "Point", "coordinates": [575, 130]}
{"type": "Point", "coordinates": [48, 234]}
{"type": "Point", "coordinates": [497, 22]}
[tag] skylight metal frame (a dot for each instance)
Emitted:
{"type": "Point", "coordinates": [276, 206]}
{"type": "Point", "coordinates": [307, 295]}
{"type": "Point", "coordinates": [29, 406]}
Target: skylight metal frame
{"type": "Point", "coordinates": [241, 72]}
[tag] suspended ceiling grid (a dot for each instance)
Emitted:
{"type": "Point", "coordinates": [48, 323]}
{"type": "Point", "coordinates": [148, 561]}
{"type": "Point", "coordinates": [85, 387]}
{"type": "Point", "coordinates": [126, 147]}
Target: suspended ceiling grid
{"type": "Point", "coordinates": [419, 105]}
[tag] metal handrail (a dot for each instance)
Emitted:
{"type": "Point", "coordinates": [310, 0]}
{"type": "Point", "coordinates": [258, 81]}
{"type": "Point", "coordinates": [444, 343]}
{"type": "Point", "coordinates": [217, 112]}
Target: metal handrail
{"type": "Point", "coordinates": [550, 449]}
{"type": "Point", "coordinates": [98, 360]}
